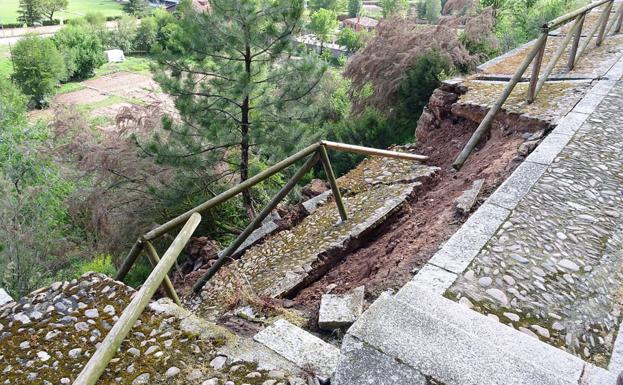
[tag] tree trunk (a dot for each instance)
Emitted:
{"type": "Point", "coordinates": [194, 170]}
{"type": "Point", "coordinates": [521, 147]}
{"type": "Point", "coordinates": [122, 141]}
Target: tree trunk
{"type": "Point", "coordinates": [244, 142]}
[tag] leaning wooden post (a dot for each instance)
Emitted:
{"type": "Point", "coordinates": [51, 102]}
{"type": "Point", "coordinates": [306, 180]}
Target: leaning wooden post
{"type": "Point", "coordinates": [576, 42]}
{"type": "Point", "coordinates": [603, 25]}
{"type": "Point", "coordinates": [257, 222]}
{"type": "Point", "coordinates": [554, 60]}
{"type": "Point", "coordinates": [106, 351]}
{"type": "Point", "coordinates": [536, 68]}
{"type": "Point", "coordinates": [152, 254]}
{"type": "Point", "coordinates": [589, 37]}
{"type": "Point", "coordinates": [326, 163]}
{"type": "Point", "coordinates": [130, 259]}
{"type": "Point", "coordinates": [617, 27]}
{"type": "Point", "coordinates": [485, 125]}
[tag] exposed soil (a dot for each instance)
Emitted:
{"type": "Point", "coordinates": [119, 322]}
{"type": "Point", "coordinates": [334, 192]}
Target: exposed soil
{"type": "Point", "coordinates": [409, 239]}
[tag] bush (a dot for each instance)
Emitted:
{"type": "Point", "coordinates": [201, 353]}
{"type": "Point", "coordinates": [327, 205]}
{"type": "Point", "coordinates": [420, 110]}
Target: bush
{"type": "Point", "coordinates": [419, 82]}
{"type": "Point", "coordinates": [100, 264]}
{"type": "Point", "coordinates": [82, 49]}
{"type": "Point", "coordinates": [39, 68]}
{"type": "Point", "coordinates": [95, 18]}
{"type": "Point", "coordinates": [146, 34]}
{"type": "Point", "coordinates": [51, 22]}
{"type": "Point", "coordinates": [12, 25]}
{"type": "Point", "coordinates": [123, 36]}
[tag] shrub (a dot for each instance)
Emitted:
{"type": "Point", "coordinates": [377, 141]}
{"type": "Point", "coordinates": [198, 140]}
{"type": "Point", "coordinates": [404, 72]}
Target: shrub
{"type": "Point", "coordinates": [82, 49]}
{"type": "Point", "coordinates": [123, 36]}
{"type": "Point", "coordinates": [100, 264]}
{"type": "Point", "coordinates": [146, 34]}
{"type": "Point", "coordinates": [51, 22]}
{"type": "Point", "coordinates": [39, 67]}
{"type": "Point", "coordinates": [95, 18]}
{"type": "Point", "coordinates": [12, 25]}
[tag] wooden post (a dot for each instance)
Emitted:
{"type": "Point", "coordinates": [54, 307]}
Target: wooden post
{"type": "Point", "coordinates": [554, 60]}
{"type": "Point", "coordinates": [130, 259]}
{"type": "Point", "coordinates": [326, 163]}
{"type": "Point", "coordinates": [257, 221]}
{"type": "Point", "coordinates": [152, 254]}
{"type": "Point", "coordinates": [604, 23]}
{"type": "Point", "coordinates": [106, 351]}
{"type": "Point", "coordinates": [485, 125]}
{"type": "Point", "coordinates": [536, 69]}
{"type": "Point", "coordinates": [589, 37]}
{"type": "Point", "coordinates": [576, 42]}
{"type": "Point", "coordinates": [619, 20]}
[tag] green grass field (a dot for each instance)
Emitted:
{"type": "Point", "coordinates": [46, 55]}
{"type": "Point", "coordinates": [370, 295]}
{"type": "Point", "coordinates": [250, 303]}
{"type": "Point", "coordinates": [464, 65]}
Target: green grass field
{"type": "Point", "coordinates": [8, 9]}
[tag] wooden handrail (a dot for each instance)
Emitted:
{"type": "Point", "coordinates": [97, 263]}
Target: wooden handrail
{"type": "Point", "coordinates": [535, 56]}
{"type": "Point", "coordinates": [106, 351]}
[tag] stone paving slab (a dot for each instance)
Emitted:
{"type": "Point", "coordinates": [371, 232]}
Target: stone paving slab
{"type": "Point", "coordinates": [300, 347]}
{"type": "Point", "coordinates": [444, 351]}
{"type": "Point", "coordinates": [361, 364]}
{"type": "Point", "coordinates": [553, 269]}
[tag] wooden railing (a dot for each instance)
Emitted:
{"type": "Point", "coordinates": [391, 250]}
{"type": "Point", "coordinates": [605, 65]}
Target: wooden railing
{"type": "Point", "coordinates": [535, 57]}
{"type": "Point", "coordinates": [318, 151]}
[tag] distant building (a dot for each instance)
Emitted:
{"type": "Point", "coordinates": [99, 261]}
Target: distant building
{"type": "Point", "coordinates": [171, 5]}
{"type": "Point", "coordinates": [361, 23]}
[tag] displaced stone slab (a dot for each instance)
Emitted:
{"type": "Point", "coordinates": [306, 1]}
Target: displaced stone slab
{"type": "Point", "coordinates": [492, 331]}
{"type": "Point", "coordinates": [340, 310]}
{"type": "Point", "coordinates": [467, 200]}
{"type": "Point", "coordinates": [360, 364]}
{"type": "Point", "coordinates": [300, 347]}
{"type": "Point", "coordinates": [553, 269]}
{"type": "Point", "coordinates": [517, 185]}
{"type": "Point", "coordinates": [443, 351]}
{"type": "Point", "coordinates": [434, 278]}
{"type": "Point", "coordinates": [5, 297]}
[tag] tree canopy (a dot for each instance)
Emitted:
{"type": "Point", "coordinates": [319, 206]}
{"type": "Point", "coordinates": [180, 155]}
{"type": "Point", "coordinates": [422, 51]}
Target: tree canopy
{"type": "Point", "coordinates": [241, 92]}
{"type": "Point", "coordinates": [323, 24]}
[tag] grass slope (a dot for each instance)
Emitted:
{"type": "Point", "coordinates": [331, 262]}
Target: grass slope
{"type": "Point", "coordinates": [8, 9]}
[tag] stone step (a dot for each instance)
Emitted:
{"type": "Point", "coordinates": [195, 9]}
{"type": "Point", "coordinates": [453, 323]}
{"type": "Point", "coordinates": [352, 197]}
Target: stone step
{"type": "Point", "coordinates": [306, 351]}
{"type": "Point", "coordinates": [453, 345]}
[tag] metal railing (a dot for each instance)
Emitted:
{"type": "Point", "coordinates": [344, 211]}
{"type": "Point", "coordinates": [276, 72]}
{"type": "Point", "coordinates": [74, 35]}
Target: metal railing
{"type": "Point", "coordinates": [159, 276]}
{"type": "Point", "coordinates": [535, 57]}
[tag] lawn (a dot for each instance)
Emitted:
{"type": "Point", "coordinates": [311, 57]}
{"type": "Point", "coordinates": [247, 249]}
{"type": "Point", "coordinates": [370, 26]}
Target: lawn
{"type": "Point", "coordinates": [8, 9]}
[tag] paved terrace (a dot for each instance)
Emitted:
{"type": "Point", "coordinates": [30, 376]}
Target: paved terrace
{"type": "Point", "coordinates": [529, 290]}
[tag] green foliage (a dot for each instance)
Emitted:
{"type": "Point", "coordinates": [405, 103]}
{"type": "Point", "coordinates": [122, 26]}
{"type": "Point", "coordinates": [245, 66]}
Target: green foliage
{"type": "Point", "coordinates": [137, 8]}
{"type": "Point", "coordinates": [323, 24]}
{"type": "Point", "coordinates": [49, 7]}
{"type": "Point", "coordinates": [393, 7]}
{"type": "Point", "coordinates": [337, 6]}
{"type": "Point", "coordinates": [82, 48]}
{"type": "Point", "coordinates": [32, 194]}
{"type": "Point", "coordinates": [100, 264]}
{"type": "Point", "coordinates": [432, 10]}
{"type": "Point", "coordinates": [39, 67]}
{"type": "Point", "coordinates": [29, 11]}
{"type": "Point", "coordinates": [519, 21]}
{"type": "Point", "coordinates": [146, 34]}
{"type": "Point", "coordinates": [122, 37]}
{"type": "Point", "coordinates": [354, 7]}
{"type": "Point", "coordinates": [351, 39]}
{"type": "Point", "coordinates": [419, 82]}
{"type": "Point", "coordinates": [96, 19]}
{"type": "Point", "coordinates": [242, 99]}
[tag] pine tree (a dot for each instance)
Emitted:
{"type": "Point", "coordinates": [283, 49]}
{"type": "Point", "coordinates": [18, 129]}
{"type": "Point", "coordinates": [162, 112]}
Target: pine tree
{"type": "Point", "coordinates": [136, 7]}
{"type": "Point", "coordinates": [29, 11]}
{"type": "Point", "coordinates": [354, 7]}
{"type": "Point", "coordinates": [239, 85]}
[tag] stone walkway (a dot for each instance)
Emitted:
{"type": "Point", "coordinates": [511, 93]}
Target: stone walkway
{"type": "Point", "coordinates": [553, 269]}
{"type": "Point", "coordinates": [529, 290]}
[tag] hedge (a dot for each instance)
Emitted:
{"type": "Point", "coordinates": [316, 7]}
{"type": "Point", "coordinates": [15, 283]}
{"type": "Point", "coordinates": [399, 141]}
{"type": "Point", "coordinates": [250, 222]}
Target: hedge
{"type": "Point", "coordinates": [12, 25]}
